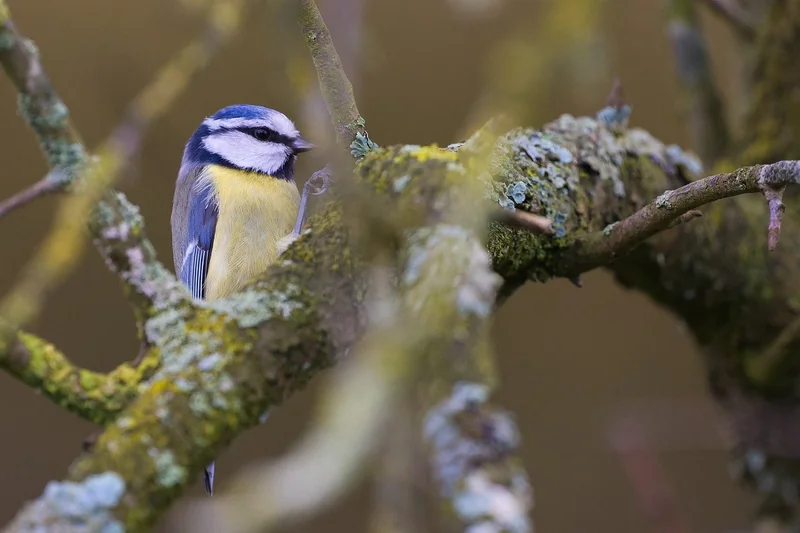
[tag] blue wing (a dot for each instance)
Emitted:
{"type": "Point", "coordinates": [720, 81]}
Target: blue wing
{"type": "Point", "coordinates": [202, 223]}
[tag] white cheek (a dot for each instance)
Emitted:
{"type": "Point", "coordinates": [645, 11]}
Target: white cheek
{"type": "Point", "coordinates": [244, 151]}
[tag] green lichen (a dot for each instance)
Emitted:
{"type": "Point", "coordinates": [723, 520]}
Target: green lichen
{"type": "Point", "coordinates": [53, 118]}
{"type": "Point", "coordinates": [609, 228]}
{"type": "Point", "coordinates": [253, 307]}
{"type": "Point", "coordinates": [362, 145]}
{"type": "Point", "coordinates": [663, 202]}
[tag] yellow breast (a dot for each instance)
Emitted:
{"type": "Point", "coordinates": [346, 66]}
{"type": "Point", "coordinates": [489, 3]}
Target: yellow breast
{"type": "Point", "coordinates": [255, 211]}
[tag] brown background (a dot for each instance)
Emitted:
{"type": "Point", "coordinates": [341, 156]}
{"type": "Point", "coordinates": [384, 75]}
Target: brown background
{"type": "Point", "coordinates": [569, 358]}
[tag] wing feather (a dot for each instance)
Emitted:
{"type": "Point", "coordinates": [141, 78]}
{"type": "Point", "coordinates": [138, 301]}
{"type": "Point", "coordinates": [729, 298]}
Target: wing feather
{"type": "Point", "coordinates": [200, 229]}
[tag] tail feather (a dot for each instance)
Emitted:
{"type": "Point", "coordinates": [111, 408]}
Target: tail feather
{"type": "Point", "coordinates": [209, 479]}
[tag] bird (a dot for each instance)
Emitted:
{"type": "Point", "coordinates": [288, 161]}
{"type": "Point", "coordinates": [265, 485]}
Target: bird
{"type": "Point", "coordinates": [235, 202]}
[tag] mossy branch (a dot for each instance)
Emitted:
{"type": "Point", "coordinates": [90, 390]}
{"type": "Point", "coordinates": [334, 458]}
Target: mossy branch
{"type": "Point", "coordinates": [94, 396]}
{"type": "Point", "coordinates": [39, 103]}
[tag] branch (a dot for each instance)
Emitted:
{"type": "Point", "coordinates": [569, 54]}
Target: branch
{"type": "Point", "coordinates": [705, 113]}
{"type": "Point", "coordinates": [600, 248]}
{"type": "Point", "coordinates": [53, 182]}
{"type": "Point", "coordinates": [91, 395]}
{"type": "Point", "coordinates": [735, 15]}
{"type": "Point", "coordinates": [39, 104]}
{"type": "Point", "coordinates": [337, 91]}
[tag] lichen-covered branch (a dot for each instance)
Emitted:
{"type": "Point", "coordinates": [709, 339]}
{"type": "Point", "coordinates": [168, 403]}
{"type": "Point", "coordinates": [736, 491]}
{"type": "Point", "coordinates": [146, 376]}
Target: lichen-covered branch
{"type": "Point", "coordinates": [703, 111]}
{"type": "Point", "coordinates": [95, 396]}
{"type": "Point", "coordinates": [39, 104]}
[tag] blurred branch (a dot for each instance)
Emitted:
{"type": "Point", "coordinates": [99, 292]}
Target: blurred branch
{"type": "Point", "coordinates": [771, 131]}
{"type": "Point", "coordinates": [564, 41]}
{"type": "Point", "coordinates": [704, 110]}
{"type": "Point", "coordinates": [735, 15]}
{"type": "Point", "coordinates": [398, 476]}
{"type": "Point", "coordinates": [94, 396]}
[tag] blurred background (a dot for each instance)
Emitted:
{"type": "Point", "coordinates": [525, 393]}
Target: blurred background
{"type": "Point", "coordinates": [570, 359]}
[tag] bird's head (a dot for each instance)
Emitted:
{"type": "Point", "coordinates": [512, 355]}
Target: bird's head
{"type": "Point", "coordinates": [247, 137]}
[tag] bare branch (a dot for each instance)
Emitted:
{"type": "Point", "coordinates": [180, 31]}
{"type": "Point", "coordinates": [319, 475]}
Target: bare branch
{"type": "Point", "coordinates": [54, 181]}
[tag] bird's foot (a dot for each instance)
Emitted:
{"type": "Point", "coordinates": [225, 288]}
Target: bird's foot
{"type": "Point", "coordinates": [286, 242]}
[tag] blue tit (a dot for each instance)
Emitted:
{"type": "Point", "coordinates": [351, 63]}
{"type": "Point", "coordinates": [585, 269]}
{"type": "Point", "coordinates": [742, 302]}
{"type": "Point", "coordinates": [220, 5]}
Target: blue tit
{"type": "Point", "coordinates": [235, 202]}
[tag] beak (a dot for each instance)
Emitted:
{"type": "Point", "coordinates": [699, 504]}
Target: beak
{"type": "Point", "coordinates": [301, 145]}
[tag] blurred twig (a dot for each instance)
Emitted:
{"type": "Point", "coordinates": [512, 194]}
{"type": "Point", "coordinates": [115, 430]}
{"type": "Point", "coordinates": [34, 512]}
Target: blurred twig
{"type": "Point", "coordinates": [398, 475]}
{"type": "Point", "coordinates": [704, 111]}
{"type": "Point", "coordinates": [520, 68]}
{"type": "Point", "coordinates": [655, 496]}
{"type": "Point", "coordinates": [736, 16]}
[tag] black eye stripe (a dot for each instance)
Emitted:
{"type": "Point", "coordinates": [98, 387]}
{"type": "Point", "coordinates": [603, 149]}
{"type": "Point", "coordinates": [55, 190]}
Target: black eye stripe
{"type": "Point", "coordinates": [274, 136]}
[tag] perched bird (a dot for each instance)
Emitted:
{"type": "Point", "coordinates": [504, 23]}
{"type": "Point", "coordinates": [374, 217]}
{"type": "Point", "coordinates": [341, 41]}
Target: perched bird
{"type": "Point", "coordinates": [235, 202]}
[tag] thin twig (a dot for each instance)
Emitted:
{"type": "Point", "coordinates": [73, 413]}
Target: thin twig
{"type": "Point", "coordinates": [51, 183]}
{"type": "Point", "coordinates": [524, 219]}
{"type": "Point", "coordinates": [595, 249]}
{"type": "Point", "coordinates": [686, 217]}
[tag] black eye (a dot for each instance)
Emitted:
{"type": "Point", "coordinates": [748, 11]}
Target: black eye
{"type": "Point", "coordinates": [262, 134]}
